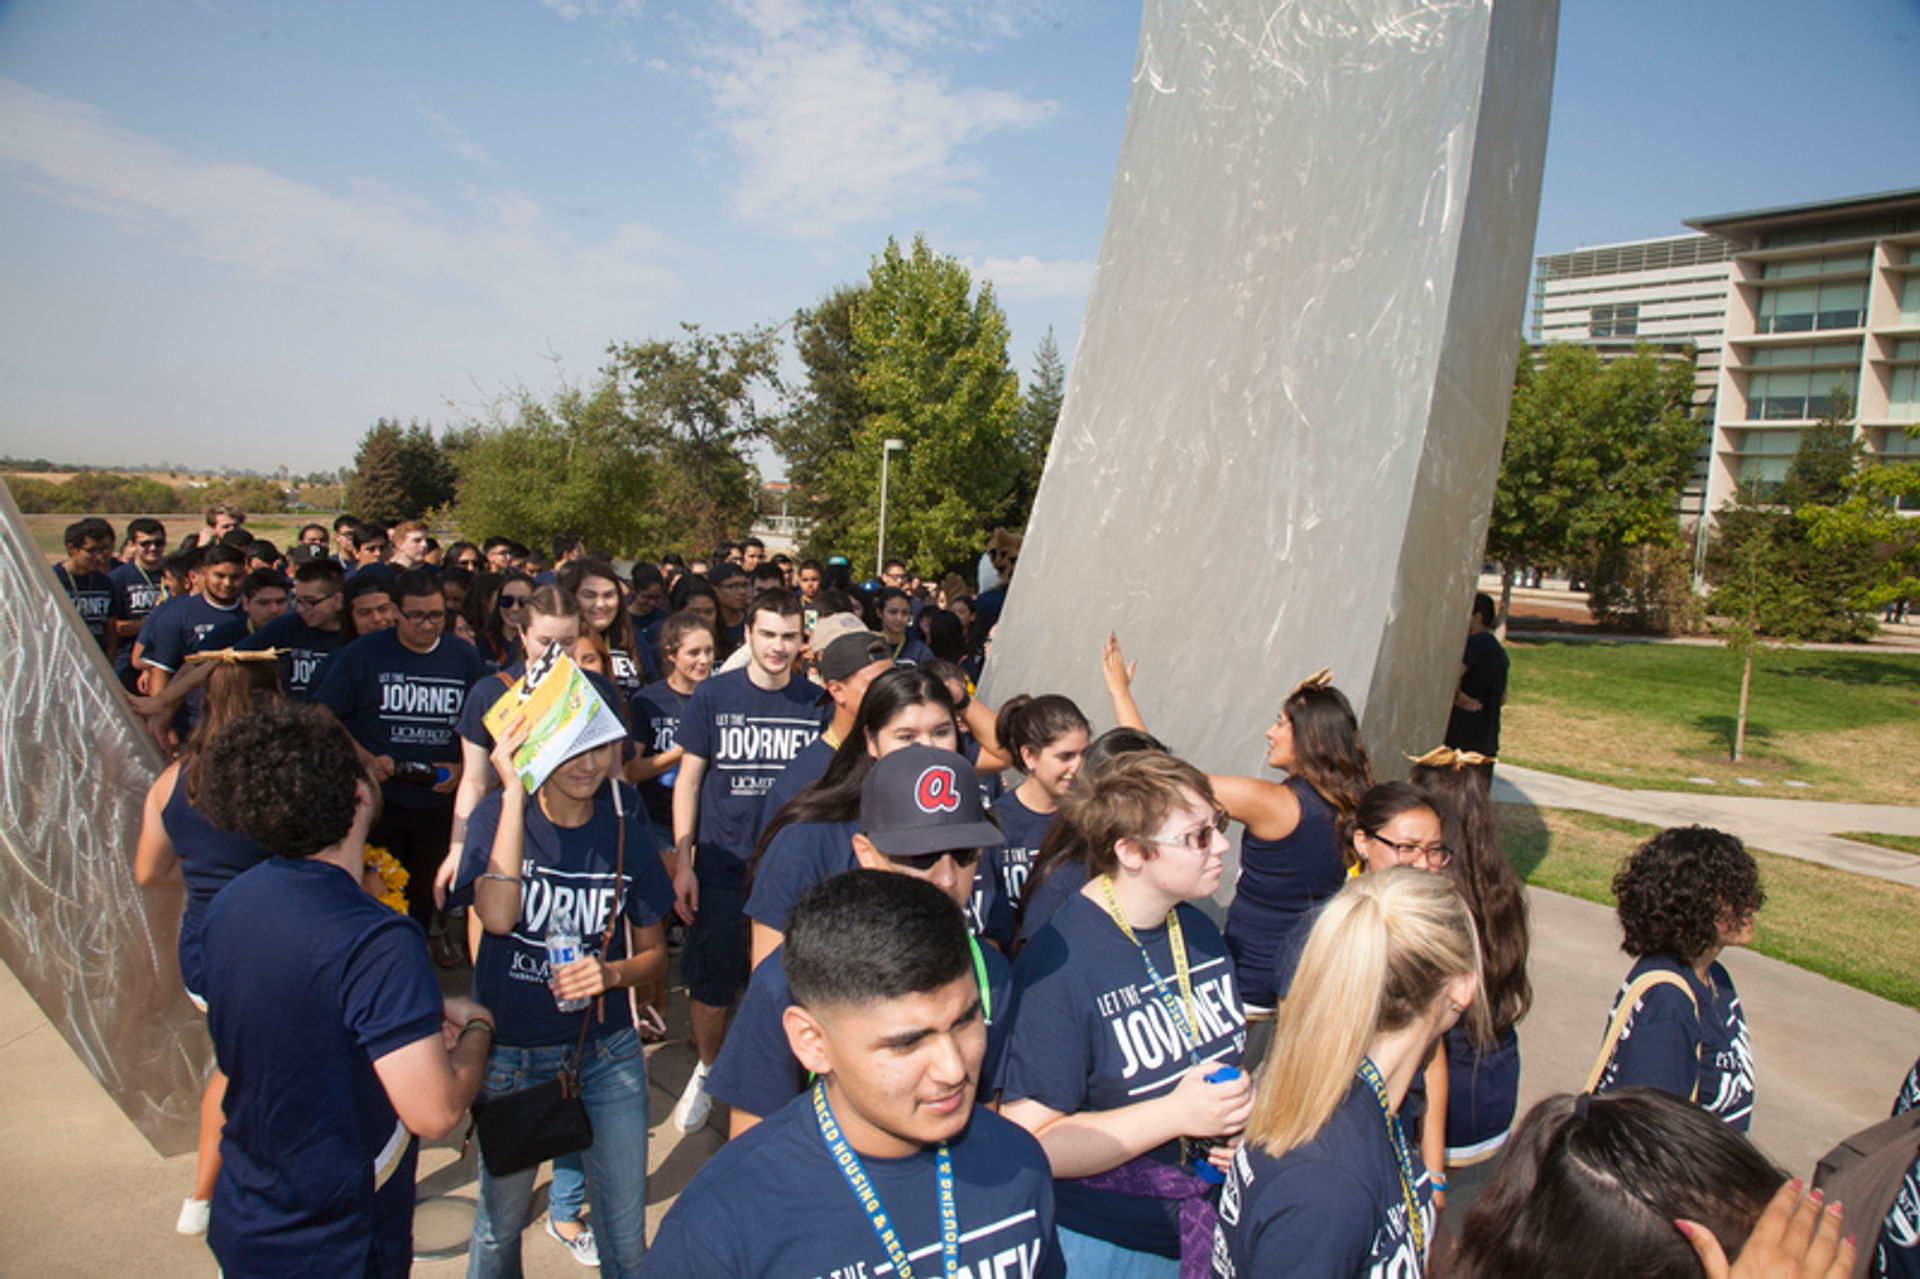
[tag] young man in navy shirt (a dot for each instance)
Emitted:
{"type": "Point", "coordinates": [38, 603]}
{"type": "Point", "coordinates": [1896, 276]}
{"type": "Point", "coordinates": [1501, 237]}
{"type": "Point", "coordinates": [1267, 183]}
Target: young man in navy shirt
{"type": "Point", "coordinates": [325, 1015]}
{"type": "Point", "coordinates": [847, 657]}
{"type": "Point", "coordinates": [399, 693]}
{"type": "Point", "coordinates": [263, 599]}
{"type": "Point", "coordinates": [84, 578]}
{"type": "Point", "coordinates": [176, 628]}
{"type": "Point", "coordinates": [309, 633]}
{"type": "Point", "coordinates": [886, 1160]}
{"type": "Point", "coordinates": [740, 730]}
{"type": "Point", "coordinates": [921, 815]}
{"type": "Point", "coordinates": [143, 584]}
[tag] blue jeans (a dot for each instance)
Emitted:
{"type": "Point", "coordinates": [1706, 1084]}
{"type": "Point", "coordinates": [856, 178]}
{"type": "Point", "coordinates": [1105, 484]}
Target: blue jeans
{"type": "Point", "coordinates": [568, 1193]}
{"type": "Point", "coordinates": [613, 1084]}
{"type": "Point", "coordinates": [1091, 1258]}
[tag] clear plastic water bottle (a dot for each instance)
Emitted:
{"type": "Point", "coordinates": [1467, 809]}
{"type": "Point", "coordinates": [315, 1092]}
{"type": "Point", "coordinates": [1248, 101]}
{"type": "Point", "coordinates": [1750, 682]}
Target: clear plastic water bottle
{"type": "Point", "coordinates": [563, 947]}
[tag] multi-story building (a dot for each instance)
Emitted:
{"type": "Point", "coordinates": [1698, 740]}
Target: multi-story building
{"type": "Point", "coordinates": [1822, 298]}
{"type": "Point", "coordinates": [1671, 293]}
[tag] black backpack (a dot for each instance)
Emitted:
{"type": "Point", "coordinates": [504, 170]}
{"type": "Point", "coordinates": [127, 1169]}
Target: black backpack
{"type": "Point", "coordinates": [1865, 1173]}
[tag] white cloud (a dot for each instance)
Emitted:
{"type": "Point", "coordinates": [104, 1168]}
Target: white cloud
{"type": "Point", "coordinates": [1028, 277]}
{"type": "Point", "coordinates": [840, 117]}
{"type": "Point", "coordinates": [453, 139]}
{"type": "Point", "coordinates": [366, 240]}
{"type": "Point", "coordinates": [574, 10]}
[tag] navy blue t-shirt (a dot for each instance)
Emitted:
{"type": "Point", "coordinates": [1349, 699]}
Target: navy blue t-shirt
{"type": "Point", "coordinates": [176, 628]}
{"type": "Point", "coordinates": [757, 1071]}
{"type": "Point", "coordinates": [799, 856]}
{"type": "Point", "coordinates": [746, 734]}
{"type": "Point", "coordinates": [143, 592]}
{"type": "Point", "coordinates": [1024, 829]}
{"type": "Point", "coordinates": [1899, 1245]}
{"type": "Point", "coordinates": [1281, 880]}
{"type": "Point", "coordinates": [1067, 879]}
{"type": "Point", "coordinates": [1091, 1033]}
{"type": "Point", "coordinates": [807, 768]}
{"type": "Point", "coordinates": [1483, 1092]}
{"type": "Point", "coordinates": [96, 597]}
{"type": "Point", "coordinates": [226, 635]}
{"type": "Point", "coordinates": [401, 703]}
{"type": "Point", "coordinates": [654, 720]}
{"type": "Point", "coordinates": [772, 1204]}
{"type": "Point", "coordinates": [309, 982]}
{"type": "Point", "coordinates": [1664, 1038]}
{"type": "Point", "coordinates": [210, 859]}
{"type": "Point", "coordinates": [567, 874]}
{"type": "Point", "coordinates": [1333, 1208]}
{"type": "Point", "coordinates": [305, 649]}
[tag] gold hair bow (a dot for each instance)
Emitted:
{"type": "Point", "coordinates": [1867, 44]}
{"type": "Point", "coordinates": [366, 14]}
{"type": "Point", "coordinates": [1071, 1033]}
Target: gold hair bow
{"type": "Point", "coordinates": [230, 656]}
{"type": "Point", "coordinates": [1447, 757]}
{"type": "Point", "coordinates": [1318, 680]}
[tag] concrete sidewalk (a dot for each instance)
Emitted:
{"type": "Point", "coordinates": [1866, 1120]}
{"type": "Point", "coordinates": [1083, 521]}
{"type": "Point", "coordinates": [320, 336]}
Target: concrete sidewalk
{"type": "Point", "coordinates": [90, 1197]}
{"type": "Point", "coordinates": [1800, 828]}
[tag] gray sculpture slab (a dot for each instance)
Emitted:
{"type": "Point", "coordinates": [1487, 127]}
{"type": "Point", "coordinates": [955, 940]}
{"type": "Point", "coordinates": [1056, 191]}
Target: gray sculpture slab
{"type": "Point", "coordinates": [1284, 419]}
{"type": "Point", "coordinates": [90, 946]}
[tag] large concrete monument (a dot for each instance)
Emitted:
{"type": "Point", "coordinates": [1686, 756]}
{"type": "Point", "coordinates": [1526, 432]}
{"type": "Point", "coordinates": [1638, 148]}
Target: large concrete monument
{"type": "Point", "coordinates": [1284, 420]}
{"type": "Point", "coordinates": [92, 948]}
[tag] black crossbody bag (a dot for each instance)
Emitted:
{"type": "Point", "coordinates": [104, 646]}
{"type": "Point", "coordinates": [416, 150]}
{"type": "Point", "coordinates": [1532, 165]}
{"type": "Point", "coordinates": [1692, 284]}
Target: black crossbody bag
{"type": "Point", "coordinates": [525, 1128]}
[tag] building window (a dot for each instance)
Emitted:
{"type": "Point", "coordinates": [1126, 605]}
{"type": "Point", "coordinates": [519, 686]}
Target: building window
{"type": "Point", "coordinates": [1903, 398]}
{"type": "Point", "coordinates": [1795, 397]}
{"type": "Point", "coordinates": [1620, 320]}
{"type": "Point", "coordinates": [1802, 308]}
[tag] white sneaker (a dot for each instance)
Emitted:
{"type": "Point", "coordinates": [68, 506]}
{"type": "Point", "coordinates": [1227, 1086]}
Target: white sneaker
{"type": "Point", "coordinates": [194, 1215]}
{"type": "Point", "coordinates": [581, 1246]}
{"type": "Point", "coordinates": [690, 1115]}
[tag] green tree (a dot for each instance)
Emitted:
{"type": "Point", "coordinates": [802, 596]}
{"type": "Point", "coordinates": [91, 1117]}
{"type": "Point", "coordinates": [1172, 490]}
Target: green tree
{"type": "Point", "coordinates": [571, 464]}
{"type": "Point", "coordinates": [694, 404]}
{"type": "Point", "coordinates": [1596, 454]}
{"type": "Point", "coordinates": [377, 489]}
{"type": "Point", "coordinates": [251, 493]}
{"type": "Point", "coordinates": [934, 372]}
{"type": "Point", "coordinates": [1033, 428]}
{"type": "Point", "coordinates": [823, 416]}
{"type": "Point", "coordinates": [426, 471]}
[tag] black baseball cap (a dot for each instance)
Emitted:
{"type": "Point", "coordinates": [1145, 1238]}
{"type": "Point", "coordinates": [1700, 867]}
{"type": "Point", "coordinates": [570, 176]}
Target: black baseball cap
{"type": "Point", "coordinates": [921, 799]}
{"type": "Point", "coordinates": [724, 571]}
{"type": "Point", "coordinates": [851, 653]}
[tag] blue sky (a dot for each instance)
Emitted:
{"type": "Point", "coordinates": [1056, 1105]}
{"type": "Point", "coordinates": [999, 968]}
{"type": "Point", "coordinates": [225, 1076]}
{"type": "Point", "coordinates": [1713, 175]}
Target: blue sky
{"type": "Point", "coordinates": [237, 233]}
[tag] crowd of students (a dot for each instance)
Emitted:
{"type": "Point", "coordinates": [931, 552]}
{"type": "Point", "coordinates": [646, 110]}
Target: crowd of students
{"type": "Point", "coordinates": [947, 964]}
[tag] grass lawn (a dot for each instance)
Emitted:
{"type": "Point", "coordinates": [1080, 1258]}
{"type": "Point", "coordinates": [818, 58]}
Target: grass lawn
{"type": "Point", "coordinates": [1655, 716]}
{"type": "Point", "coordinates": [1898, 843]}
{"type": "Point", "coordinates": [1852, 928]}
{"type": "Point", "coordinates": [282, 530]}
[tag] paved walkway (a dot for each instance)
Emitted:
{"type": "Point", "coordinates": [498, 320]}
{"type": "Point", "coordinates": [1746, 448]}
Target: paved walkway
{"type": "Point", "coordinates": [1795, 827]}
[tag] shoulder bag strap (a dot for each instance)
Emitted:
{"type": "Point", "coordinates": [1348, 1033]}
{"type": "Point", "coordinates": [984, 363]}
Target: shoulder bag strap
{"type": "Point", "coordinates": [599, 1009]}
{"type": "Point", "coordinates": [1624, 1010]}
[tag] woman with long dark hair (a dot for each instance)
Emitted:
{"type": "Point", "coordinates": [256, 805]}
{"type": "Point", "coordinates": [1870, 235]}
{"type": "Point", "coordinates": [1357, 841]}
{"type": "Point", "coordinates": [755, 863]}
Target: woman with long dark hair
{"type": "Point", "coordinates": [603, 602]}
{"type": "Point", "coordinates": [893, 609]}
{"type": "Point", "coordinates": [811, 837]}
{"type": "Point", "coordinates": [1292, 856]}
{"type": "Point", "coordinates": [500, 631]}
{"type": "Point", "coordinates": [1482, 1086]}
{"type": "Point", "coordinates": [177, 840]}
{"type": "Point", "coordinates": [1046, 737]}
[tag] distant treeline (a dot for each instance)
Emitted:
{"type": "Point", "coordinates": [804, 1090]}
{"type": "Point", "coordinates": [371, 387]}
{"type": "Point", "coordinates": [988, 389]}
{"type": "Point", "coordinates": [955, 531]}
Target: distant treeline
{"type": "Point", "coordinates": [97, 492]}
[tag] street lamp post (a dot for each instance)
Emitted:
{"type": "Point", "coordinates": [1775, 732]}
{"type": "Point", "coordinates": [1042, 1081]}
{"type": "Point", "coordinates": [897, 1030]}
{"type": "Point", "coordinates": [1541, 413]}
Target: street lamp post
{"type": "Point", "coordinates": [886, 453]}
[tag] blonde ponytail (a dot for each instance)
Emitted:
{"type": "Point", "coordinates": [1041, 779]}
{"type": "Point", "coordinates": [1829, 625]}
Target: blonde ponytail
{"type": "Point", "coordinates": [1379, 956]}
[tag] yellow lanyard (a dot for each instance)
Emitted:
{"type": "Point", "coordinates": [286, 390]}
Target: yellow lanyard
{"type": "Point", "coordinates": [1183, 1018]}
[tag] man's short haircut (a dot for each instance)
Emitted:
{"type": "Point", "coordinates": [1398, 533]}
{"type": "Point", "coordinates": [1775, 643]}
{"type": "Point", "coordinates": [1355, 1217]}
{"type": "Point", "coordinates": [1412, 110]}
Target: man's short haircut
{"type": "Point", "coordinates": [188, 559]}
{"type": "Point", "coordinates": [91, 529]}
{"type": "Point", "coordinates": [418, 583]}
{"type": "Point", "coordinates": [769, 572]}
{"type": "Point", "coordinates": [261, 549]}
{"type": "Point", "coordinates": [237, 537]}
{"type": "Point", "coordinates": [673, 558]}
{"type": "Point", "coordinates": [365, 535]}
{"type": "Point", "coordinates": [302, 534]}
{"type": "Point", "coordinates": [893, 564]}
{"type": "Point", "coordinates": [488, 545]}
{"type": "Point", "coordinates": [285, 775]}
{"type": "Point", "coordinates": [1484, 610]}
{"type": "Point", "coordinates": [809, 564]}
{"type": "Point", "coordinates": [408, 526]}
{"type": "Point", "coordinates": [865, 936]}
{"type": "Point", "coordinates": [321, 571]}
{"type": "Point", "coordinates": [344, 520]}
{"type": "Point", "coordinates": [368, 584]}
{"type": "Point", "coordinates": [753, 541]}
{"type": "Point", "coordinates": [262, 579]}
{"type": "Point", "coordinates": [645, 575]}
{"type": "Point", "coordinates": [565, 544]}
{"type": "Point", "coordinates": [223, 553]}
{"type": "Point", "coordinates": [225, 508]}
{"type": "Point", "coordinates": [780, 601]}
{"type": "Point", "coordinates": [145, 526]}
{"type": "Point", "coordinates": [518, 550]}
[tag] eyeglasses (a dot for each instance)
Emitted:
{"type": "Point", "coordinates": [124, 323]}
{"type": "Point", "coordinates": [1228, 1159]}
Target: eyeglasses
{"type": "Point", "coordinates": [1197, 840]}
{"type": "Point", "coordinates": [923, 863]}
{"type": "Point", "coordinates": [512, 601]}
{"type": "Point", "coordinates": [421, 618]}
{"type": "Point", "coordinates": [313, 601]}
{"type": "Point", "coordinates": [1437, 856]}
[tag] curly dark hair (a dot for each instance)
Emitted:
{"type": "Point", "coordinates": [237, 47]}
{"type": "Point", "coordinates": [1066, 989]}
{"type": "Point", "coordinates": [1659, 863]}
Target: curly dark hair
{"type": "Point", "coordinates": [1680, 887]}
{"type": "Point", "coordinates": [286, 775]}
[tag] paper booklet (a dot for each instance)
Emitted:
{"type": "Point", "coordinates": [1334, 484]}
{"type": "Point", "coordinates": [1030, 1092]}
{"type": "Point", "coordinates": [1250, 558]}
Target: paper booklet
{"type": "Point", "coordinates": [567, 716]}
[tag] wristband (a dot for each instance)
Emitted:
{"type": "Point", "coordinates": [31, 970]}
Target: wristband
{"type": "Point", "coordinates": [479, 1021]}
{"type": "Point", "coordinates": [505, 879]}
{"type": "Point", "coordinates": [1436, 1180]}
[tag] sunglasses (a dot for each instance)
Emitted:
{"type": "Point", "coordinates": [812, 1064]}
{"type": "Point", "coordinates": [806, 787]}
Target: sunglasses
{"type": "Point", "coordinates": [923, 863]}
{"type": "Point", "coordinates": [1197, 840]}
